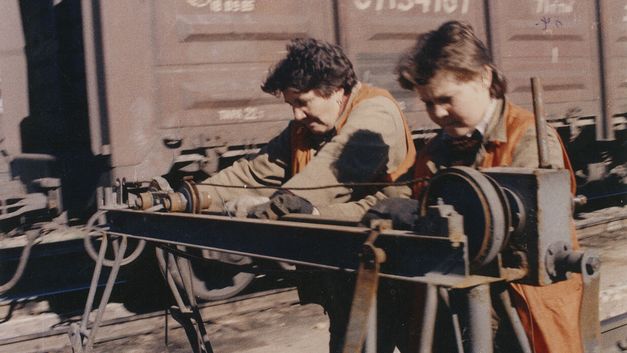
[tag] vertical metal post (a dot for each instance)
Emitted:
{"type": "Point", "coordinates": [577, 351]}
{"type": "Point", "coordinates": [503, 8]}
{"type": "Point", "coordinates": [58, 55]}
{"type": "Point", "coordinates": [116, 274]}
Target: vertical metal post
{"type": "Point", "coordinates": [454, 319]}
{"type": "Point", "coordinates": [479, 325]}
{"type": "Point", "coordinates": [428, 320]}
{"type": "Point", "coordinates": [605, 122]}
{"type": "Point", "coordinates": [514, 319]}
{"type": "Point", "coordinates": [371, 337]}
{"type": "Point", "coordinates": [538, 111]}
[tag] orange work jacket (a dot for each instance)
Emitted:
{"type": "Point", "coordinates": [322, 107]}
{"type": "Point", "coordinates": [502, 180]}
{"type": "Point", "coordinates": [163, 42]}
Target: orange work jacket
{"type": "Point", "coordinates": [301, 137]}
{"type": "Point", "coordinates": [549, 314]}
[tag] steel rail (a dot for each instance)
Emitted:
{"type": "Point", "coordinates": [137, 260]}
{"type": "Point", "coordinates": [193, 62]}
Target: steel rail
{"type": "Point", "coordinates": [417, 258]}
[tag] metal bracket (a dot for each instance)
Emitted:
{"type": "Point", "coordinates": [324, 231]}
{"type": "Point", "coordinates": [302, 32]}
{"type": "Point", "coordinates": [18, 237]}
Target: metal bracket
{"type": "Point", "coordinates": [187, 312]}
{"type": "Point", "coordinates": [363, 314]}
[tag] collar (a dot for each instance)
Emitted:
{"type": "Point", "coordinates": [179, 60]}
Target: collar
{"type": "Point", "coordinates": [350, 100]}
{"type": "Point", "coordinates": [488, 116]}
{"type": "Point", "coordinates": [496, 130]}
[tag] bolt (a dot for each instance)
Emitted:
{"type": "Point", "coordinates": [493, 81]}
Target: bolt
{"type": "Point", "coordinates": [593, 265]}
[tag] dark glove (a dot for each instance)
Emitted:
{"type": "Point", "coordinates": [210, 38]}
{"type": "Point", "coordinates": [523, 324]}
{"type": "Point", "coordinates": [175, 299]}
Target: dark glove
{"type": "Point", "coordinates": [281, 203]}
{"type": "Point", "coordinates": [402, 212]}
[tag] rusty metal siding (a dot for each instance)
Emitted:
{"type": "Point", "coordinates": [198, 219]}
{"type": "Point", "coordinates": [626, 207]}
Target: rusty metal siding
{"type": "Point", "coordinates": [375, 32]}
{"type": "Point", "coordinates": [13, 78]}
{"type": "Point", "coordinates": [555, 40]}
{"type": "Point", "coordinates": [613, 26]}
{"type": "Point", "coordinates": [183, 75]}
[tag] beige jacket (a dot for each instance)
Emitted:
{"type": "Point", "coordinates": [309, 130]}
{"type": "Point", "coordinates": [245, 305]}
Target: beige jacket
{"type": "Point", "coordinates": [370, 144]}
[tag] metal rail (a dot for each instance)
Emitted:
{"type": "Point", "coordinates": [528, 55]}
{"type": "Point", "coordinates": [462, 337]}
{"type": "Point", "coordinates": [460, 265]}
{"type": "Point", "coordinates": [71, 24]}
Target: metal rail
{"type": "Point", "coordinates": [317, 245]}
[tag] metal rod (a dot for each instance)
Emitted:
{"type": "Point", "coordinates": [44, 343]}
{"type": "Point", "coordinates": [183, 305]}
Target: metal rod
{"type": "Point", "coordinates": [371, 337]}
{"type": "Point", "coordinates": [106, 294]}
{"type": "Point", "coordinates": [428, 320]}
{"type": "Point", "coordinates": [514, 319]}
{"type": "Point", "coordinates": [94, 283]}
{"type": "Point", "coordinates": [479, 325]}
{"type": "Point", "coordinates": [170, 280]}
{"type": "Point", "coordinates": [538, 111]}
{"type": "Point", "coordinates": [454, 320]}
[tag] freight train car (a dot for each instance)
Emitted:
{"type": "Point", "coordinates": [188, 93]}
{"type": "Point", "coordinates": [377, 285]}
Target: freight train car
{"type": "Point", "coordinates": [94, 93]}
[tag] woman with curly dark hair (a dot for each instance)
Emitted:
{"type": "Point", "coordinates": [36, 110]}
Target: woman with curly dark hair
{"type": "Point", "coordinates": [342, 131]}
{"type": "Point", "coordinates": [464, 93]}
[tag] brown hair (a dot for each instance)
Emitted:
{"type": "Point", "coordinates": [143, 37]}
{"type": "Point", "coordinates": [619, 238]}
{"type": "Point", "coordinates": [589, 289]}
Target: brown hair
{"type": "Point", "coordinates": [454, 47]}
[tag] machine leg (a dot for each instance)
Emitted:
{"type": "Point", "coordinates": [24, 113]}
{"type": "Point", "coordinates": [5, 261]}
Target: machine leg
{"type": "Point", "coordinates": [514, 319]}
{"type": "Point", "coordinates": [478, 336]}
{"type": "Point", "coordinates": [362, 322]}
{"type": "Point", "coordinates": [371, 337]}
{"type": "Point", "coordinates": [454, 319]}
{"type": "Point", "coordinates": [188, 315]}
{"type": "Point", "coordinates": [78, 333]}
{"type": "Point", "coordinates": [428, 320]}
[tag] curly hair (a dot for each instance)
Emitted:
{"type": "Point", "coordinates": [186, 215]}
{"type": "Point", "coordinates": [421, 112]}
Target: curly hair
{"type": "Point", "coordinates": [311, 64]}
{"type": "Point", "coordinates": [454, 47]}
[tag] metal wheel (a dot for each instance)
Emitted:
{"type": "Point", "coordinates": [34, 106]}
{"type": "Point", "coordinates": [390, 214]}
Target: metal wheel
{"type": "Point", "coordinates": [481, 202]}
{"type": "Point", "coordinates": [211, 279]}
{"type": "Point", "coordinates": [96, 228]}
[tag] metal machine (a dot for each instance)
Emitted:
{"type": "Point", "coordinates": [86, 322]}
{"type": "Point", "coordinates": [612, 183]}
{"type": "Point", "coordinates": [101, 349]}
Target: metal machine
{"type": "Point", "coordinates": [475, 229]}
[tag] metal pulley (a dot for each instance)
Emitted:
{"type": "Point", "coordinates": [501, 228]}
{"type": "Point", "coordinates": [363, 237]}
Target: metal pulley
{"type": "Point", "coordinates": [195, 199]}
{"type": "Point", "coordinates": [187, 199]}
{"type": "Point", "coordinates": [484, 205]}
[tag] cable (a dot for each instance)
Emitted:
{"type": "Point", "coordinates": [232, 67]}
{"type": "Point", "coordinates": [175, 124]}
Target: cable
{"type": "Point", "coordinates": [350, 185]}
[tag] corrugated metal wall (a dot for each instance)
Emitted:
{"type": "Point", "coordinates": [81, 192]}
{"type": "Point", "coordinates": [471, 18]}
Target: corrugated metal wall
{"type": "Point", "coordinates": [172, 76]}
{"type": "Point", "coordinates": [375, 33]}
{"type": "Point", "coordinates": [556, 41]}
{"type": "Point", "coordinates": [613, 23]}
{"type": "Point", "coordinates": [182, 75]}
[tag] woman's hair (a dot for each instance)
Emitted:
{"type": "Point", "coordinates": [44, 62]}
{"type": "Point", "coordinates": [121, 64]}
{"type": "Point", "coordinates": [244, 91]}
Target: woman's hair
{"type": "Point", "coordinates": [453, 47]}
{"type": "Point", "coordinates": [311, 64]}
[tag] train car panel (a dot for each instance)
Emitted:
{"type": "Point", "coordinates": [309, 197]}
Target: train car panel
{"type": "Point", "coordinates": [122, 85]}
{"type": "Point", "coordinates": [235, 31]}
{"type": "Point", "coordinates": [555, 41]}
{"type": "Point", "coordinates": [188, 76]}
{"type": "Point", "coordinates": [13, 78]}
{"type": "Point", "coordinates": [217, 95]}
{"type": "Point", "coordinates": [375, 32]}
{"type": "Point", "coordinates": [613, 26]}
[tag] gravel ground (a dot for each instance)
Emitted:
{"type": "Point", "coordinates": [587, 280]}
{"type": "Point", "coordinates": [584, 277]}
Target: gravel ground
{"type": "Point", "coordinates": [288, 329]}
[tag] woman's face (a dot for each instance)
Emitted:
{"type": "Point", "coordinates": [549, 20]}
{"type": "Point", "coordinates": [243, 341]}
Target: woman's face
{"type": "Point", "coordinates": [455, 105]}
{"type": "Point", "coordinates": [314, 111]}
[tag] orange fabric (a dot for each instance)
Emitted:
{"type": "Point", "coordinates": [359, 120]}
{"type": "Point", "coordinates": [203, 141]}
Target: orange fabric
{"type": "Point", "coordinates": [300, 136]}
{"type": "Point", "coordinates": [549, 314]}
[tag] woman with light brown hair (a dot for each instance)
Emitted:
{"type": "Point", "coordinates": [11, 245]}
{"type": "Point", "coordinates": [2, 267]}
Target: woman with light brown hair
{"type": "Point", "coordinates": [451, 71]}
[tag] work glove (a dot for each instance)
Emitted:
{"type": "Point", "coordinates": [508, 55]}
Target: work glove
{"type": "Point", "coordinates": [240, 206]}
{"type": "Point", "coordinates": [402, 212]}
{"type": "Point", "coordinates": [281, 203]}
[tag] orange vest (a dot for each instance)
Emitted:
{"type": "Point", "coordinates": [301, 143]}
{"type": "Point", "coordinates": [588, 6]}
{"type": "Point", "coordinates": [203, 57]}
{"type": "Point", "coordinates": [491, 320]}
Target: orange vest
{"type": "Point", "coordinates": [549, 314]}
{"type": "Point", "coordinates": [300, 136]}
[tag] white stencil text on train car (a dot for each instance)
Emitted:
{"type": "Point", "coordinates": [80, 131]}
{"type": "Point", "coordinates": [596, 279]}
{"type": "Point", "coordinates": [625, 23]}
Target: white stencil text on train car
{"type": "Point", "coordinates": [554, 6]}
{"type": "Point", "coordinates": [225, 5]}
{"type": "Point", "coordinates": [435, 6]}
{"type": "Point", "coordinates": [248, 113]}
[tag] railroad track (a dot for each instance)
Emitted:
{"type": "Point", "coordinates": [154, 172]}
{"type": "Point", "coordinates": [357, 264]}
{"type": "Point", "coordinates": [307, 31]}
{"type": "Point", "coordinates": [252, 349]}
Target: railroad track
{"type": "Point", "coordinates": [47, 332]}
{"type": "Point", "coordinates": [120, 324]}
